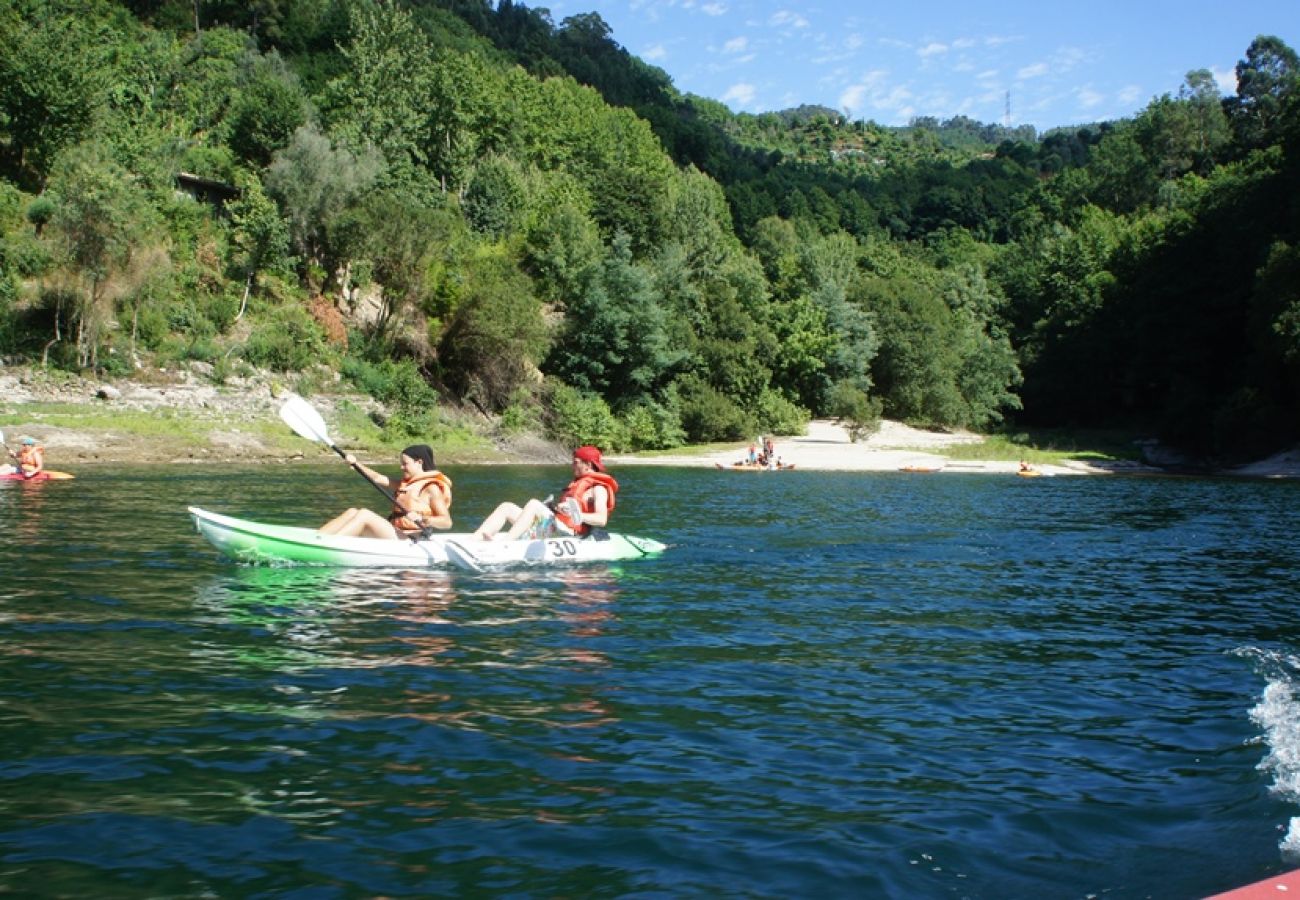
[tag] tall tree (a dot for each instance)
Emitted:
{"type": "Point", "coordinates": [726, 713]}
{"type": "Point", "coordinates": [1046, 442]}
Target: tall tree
{"type": "Point", "coordinates": [54, 79]}
{"type": "Point", "coordinates": [1265, 78]}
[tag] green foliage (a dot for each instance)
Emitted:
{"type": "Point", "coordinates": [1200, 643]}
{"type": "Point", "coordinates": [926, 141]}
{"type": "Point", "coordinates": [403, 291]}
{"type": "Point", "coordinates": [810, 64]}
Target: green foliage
{"type": "Point", "coordinates": [494, 198]}
{"type": "Point", "coordinates": [653, 426]}
{"type": "Point", "coordinates": [777, 414]}
{"type": "Point", "coordinates": [394, 382]}
{"type": "Point", "coordinates": [490, 180]}
{"type": "Point", "coordinates": [286, 339]}
{"type": "Point", "coordinates": [615, 340]}
{"type": "Point", "coordinates": [266, 112]}
{"type": "Point", "coordinates": [859, 413]}
{"type": "Point", "coordinates": [496, 336]}
{"type": "Point", "coordinates": [708, 415]}
{"type": "Point", "coordinates": [315, 183]}
{"type": "Point", "coordinates": [575, 417]}
{"type": "Point", "coordinates": [54, 78]}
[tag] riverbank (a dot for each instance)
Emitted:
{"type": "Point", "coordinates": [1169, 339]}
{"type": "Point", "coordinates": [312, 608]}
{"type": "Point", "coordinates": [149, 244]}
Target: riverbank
{"type": "Point", "coordinates": [895, 447]}
{"type": "Point", "coordinates": [181, 416]}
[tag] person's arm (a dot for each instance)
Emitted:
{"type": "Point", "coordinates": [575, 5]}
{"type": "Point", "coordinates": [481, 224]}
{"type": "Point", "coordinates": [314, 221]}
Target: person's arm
{"type": "Point", "coordinates": [599, 515]}
{"type": "Point", "coordinates": [377, 477]}
{"type": "Point", "coordinates": [439, 514]}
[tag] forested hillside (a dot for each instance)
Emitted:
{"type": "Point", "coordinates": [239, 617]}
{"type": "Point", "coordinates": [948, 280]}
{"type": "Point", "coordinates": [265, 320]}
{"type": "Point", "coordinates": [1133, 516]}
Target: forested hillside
{"type": "Point", "coordinates": [460, 202]}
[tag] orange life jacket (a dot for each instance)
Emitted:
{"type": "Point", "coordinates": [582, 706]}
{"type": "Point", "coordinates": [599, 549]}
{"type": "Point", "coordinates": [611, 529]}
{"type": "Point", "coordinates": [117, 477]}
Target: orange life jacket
{"type": "Point", "coordinates": [581, 489]}
{"type": "Point", "coordinates": [413, 490]}
{"type": "Point", "coordinates": [31, 458]}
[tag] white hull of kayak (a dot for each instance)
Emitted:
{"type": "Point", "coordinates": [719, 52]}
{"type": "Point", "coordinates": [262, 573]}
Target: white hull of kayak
{"type": "Point", "coordinates": [257, 542]}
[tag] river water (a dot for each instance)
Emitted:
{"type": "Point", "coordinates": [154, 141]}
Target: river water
{"type": "Point", "coordinates": [839, 685]}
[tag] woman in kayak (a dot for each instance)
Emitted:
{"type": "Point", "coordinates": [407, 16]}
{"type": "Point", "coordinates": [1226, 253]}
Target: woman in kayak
{"type": "Point", "coordinates": [30, 458]}
{"type": "Point", "coordinates": [585, 504]}
{"type": "Point", "coordinates": [422, 500]}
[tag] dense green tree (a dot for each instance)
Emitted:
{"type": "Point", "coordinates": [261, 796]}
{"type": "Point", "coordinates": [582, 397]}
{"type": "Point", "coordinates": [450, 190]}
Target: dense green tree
{"type": "Point", "coordinates": [99, 220]}
{"type": "Point", "coordinates": [496, 337]}
{"type": "Point", "coordinates": [55, 76]}
{"type": "Point", "coordinates": [269, 108]}
{"type": "Point", "coordinates": [615, 340]}
{"type": "Point", "coordinates": [259, 236]}
{"type": "Point", "coordinates": [315, 183]}
{"type": "Point", "coordinates": [1265, 78]}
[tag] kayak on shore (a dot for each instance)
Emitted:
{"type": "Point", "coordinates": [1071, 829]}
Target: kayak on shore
{"type": "Point", "coordinates": [258, 542]}
{"type": "Point", "coordinates": [754, 467]}
{"type": "Point", "coordinates": [44, 475]}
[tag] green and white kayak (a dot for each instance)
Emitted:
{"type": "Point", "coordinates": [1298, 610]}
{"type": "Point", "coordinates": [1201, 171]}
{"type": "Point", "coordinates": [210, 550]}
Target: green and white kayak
{"type": "Point", "coordinates": [257, 542]}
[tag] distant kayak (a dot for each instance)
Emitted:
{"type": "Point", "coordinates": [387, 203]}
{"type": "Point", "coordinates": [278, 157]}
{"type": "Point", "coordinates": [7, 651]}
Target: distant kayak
{"type": "Point", "coordinates": [46, 475]}
{"type": "Point", "coordinates": [258, 542]}
{"type": "Point", "coordinates": [924, 469]}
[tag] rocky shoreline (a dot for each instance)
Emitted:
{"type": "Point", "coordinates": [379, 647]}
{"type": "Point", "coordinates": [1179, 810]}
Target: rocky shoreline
{"type": "Point", "coordinates": [238, 421]}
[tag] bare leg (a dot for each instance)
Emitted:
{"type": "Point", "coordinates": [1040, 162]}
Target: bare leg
{"type": "Point", "coordinates": [364, 523]}
{"type": "Point", "coordinates": [533, 511]}
{"type": "Point", "coordinates": [334, 524]}
{"type": "Point", "coordinates": [506, 512]}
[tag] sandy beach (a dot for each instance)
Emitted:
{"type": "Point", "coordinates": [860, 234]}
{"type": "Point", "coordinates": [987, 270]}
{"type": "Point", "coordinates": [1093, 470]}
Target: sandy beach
{"type": "Point", "coordinates": [894, 447]}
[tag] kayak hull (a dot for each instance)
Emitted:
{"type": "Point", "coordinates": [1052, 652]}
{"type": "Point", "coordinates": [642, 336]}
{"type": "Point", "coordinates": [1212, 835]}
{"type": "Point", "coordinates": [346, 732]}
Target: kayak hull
{"type": "Point", "coordinates": [261, 543]}
{"type": "Point", "coordinates": [46, 475]}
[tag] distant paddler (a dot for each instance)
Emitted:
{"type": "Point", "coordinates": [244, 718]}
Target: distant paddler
{"type": "Point", "coordinates": [30, 458]}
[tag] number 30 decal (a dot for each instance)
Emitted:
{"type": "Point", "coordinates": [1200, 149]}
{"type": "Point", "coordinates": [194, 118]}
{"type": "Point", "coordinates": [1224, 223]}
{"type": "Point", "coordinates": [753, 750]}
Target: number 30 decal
{"type": "Point", "coordinates": [563, 548]}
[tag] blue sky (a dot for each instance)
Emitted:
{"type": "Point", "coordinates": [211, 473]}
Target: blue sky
{"type": "Point", "coordinates": [1063, 63]}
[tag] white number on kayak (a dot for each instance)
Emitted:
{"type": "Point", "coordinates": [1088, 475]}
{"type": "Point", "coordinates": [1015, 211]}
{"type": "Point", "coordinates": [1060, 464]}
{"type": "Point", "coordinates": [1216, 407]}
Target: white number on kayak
{"type": "Point", "coordinates": [563, 548]}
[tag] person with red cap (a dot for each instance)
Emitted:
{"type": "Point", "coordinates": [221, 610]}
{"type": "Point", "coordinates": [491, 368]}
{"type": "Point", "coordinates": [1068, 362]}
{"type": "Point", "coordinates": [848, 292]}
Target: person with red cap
{"type": "Point", "coordinates": [583, 506]}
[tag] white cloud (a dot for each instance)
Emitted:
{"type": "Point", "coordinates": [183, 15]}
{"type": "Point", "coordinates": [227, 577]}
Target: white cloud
{"type": "Point", "coordinates": [853, 41]}
{"type": "Point", "coordinates": [1088, 98]}
{"type": "Point", "coordinates": [963, 43]}
{"type": "Point", "coordinates": [735, 45]}
{"type": "Point", "coordinates": [1068, 58]}
{"type": "Point", "coordinates": [1129, 95]}
{"type": "Point", "coordinates": [1037, 70]}
{"type": "Point", "coordinates": [932, 49]}
{"type": "Point", "coordinates": [741, 94]}
{"type": "Point", "coordinates": [784, 17]}
{"type": "Point", "coordinates": [852, 97]}
{"type": "Point", "coordinates": [714, 9]}
{"type": "Point", "coordinates": [1226, 79]}
{"type": "Point", "coordinates": [654, 53]}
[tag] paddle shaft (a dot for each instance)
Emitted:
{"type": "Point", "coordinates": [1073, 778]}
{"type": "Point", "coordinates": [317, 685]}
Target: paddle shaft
{"type": "Point", "coordinates": [356, 467]}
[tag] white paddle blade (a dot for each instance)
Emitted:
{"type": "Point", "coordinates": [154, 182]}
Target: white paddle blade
{"type": "Point", "coordinates": [303, 418]}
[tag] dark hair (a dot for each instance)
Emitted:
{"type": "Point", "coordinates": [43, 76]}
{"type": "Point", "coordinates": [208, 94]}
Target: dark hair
{"type": "Point", "coordinates": [422, 452]}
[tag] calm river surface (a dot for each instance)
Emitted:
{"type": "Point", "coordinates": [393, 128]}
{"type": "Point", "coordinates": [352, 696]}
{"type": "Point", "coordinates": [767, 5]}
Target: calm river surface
{"type": "Point", "coordinates": [832, 685]}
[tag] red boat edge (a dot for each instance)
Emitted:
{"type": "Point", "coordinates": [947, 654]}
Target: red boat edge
{"type": "Point", "coordinates": [1282, 885]}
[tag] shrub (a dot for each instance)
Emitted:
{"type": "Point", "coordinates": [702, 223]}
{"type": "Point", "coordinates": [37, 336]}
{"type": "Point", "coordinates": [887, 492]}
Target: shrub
{"type": "Point", "coordinates": [860, 413]}
{"type": "Point", "coordinates": [575, 417]}
{"type": "Point", "coordinates": [394, 382]}
{"type": "Point", "coordinates": [288, 340]}
{"type": "Point", "coordinates": [653, 426]}
{"type": "Point", "coordinates": [779, 415]}
{"type": "Point", "coordinates": [709, 415]}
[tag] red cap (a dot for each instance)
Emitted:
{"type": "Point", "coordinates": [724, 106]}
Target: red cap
{"type": "Point", "coordinates": [590, 454]}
